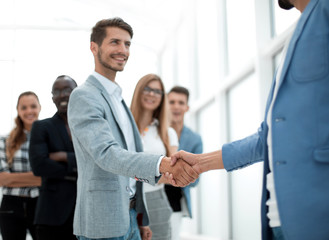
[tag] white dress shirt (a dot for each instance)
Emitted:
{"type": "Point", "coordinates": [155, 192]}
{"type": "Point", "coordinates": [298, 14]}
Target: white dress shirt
{"type": "Point", "coordinates": [273, 213]}
{"type": "Point", "coordinates": [152, 143]}
{"type": "Point", "coordinates": [115, 93]}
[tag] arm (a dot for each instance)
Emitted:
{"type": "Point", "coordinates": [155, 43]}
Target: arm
{"type": "Point", "coordinates": [26, 179]}
{"type": "Point", "coordinates": [201, 162]}
{"type": "Point", "coordinates": [146, 233]}
{"type": "Point", "coordinates": [233, 156]}
{"type": "Point", "coordinates": [43, 163]}
{"type": "Point", "coordinates": [96, 135]}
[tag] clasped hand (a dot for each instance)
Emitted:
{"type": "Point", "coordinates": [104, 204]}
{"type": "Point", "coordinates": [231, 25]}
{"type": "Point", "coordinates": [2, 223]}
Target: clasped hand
{"type": "Point", "coordinates": [180, 170]}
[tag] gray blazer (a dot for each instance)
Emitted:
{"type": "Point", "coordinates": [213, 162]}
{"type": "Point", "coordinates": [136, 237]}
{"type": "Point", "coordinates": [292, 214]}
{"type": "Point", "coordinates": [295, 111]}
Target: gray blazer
{"type": "Point", "coordinates": [104, 164]}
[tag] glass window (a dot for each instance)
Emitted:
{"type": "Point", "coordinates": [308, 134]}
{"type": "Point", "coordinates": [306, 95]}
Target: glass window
{"type": "Point", "coordinates": [244, 120]}
{"type": "Point", "coordinates": [241, 32]}
{"type": "Point", "coordinates": [213, 184]}
{"type": "Point", "coordinates": [7, 44]}
{"type": "Point", "coordinates": [207, 47]}
{"type": "Point", "coordinates": [8, 101]}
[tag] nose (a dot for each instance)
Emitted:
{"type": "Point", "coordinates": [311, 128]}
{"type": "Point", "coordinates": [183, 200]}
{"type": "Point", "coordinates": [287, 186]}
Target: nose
{"type": "Point", "coordinates": [123, 49]}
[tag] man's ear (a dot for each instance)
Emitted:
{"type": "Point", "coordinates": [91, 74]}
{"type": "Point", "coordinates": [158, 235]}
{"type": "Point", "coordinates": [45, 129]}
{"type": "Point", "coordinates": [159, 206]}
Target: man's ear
{"type": "Point", "coordinates": [187, 108]}
{"type": "Point", "coordinates": [93, 48]}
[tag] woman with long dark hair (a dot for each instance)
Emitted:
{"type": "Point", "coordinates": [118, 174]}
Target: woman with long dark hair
{"type": "Point", "coordinates": [19, 185]}
{"type": "Point", "coordinates": [150, 109]}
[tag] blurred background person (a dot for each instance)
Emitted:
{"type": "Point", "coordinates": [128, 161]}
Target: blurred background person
{"type": "Point", "coordinates": [150, 109]}
{"type": "Point", "coordinates": [20, 186]}
{"type": "Point", "coordinates": [180, 198]}
{"type": "Point", "coordinates": [52, 157]}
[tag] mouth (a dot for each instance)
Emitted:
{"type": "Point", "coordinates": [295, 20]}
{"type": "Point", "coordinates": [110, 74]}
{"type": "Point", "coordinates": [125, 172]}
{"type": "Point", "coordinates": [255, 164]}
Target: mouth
{"type": "Point", "coordinates": [120, 58]}
{"type": "Point", "coordinates": [30, 117]}
{"type": "Point", "coordinates": [63, 104]}
{"type": "Point", "coordinates": [176, 113]}
{"type": "Point", "coordinates": [149, 101]}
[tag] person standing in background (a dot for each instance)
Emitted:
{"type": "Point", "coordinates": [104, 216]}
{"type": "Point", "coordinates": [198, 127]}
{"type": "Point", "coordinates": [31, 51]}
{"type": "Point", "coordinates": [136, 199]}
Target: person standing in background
{"type": "Point", "coordinates": [20, 187]}
{"type": "Point", "coordinates": [149, 107]}
{"type": "Point", "coordinates": [180, 198]}
{"type": "Point", "coordinates": [52, 157]}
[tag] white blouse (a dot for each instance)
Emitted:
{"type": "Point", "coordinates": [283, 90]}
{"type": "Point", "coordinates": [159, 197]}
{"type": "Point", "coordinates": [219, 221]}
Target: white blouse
{"type": "Point", "coordinates": [152, 143]}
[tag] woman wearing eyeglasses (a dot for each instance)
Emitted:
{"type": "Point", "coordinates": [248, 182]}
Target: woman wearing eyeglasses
{"type": "Point", "coordinates": [20, 187]}
{"type": "Point", "coordinates": [149, 108]}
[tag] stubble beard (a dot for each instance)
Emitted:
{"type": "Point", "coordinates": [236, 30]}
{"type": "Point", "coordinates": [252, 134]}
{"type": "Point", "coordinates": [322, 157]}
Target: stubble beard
{"type": "Point", "coordinates": [105, 64]}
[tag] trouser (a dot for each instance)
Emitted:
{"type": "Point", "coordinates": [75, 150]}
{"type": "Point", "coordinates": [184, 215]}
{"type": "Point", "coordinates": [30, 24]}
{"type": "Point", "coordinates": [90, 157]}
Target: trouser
{"type": "Point", "coordinates": [62, 232]}
{"type": "Point", "coordinates": [16, 217]}
{"type": "Point", "coordinates": [132, 234]}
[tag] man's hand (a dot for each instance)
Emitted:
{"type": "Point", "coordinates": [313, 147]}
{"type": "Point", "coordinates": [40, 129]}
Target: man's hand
{"type": "Point", "coordinates": [182, 173]}
{"type": "Point", "coordinates": [200, 162]}
{"type": "Point", "coordinates": [58, 156]}
{"type": "Point", "coordinates": [190, 158]}
{"type": "Point", "coordinates": [146, 233]}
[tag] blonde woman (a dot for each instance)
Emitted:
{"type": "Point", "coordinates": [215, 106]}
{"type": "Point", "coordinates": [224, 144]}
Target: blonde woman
{"type": "Point", "coordinates": [20, 187]}
{"type": "Point", "coordinates": [149, 108]}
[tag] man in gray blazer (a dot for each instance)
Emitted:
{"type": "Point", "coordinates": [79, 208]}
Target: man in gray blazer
{"type": "Point", "coordinates": [106, 141]}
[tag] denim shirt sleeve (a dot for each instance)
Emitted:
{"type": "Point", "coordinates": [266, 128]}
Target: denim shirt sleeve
{"type": "Point", "coordinates": [244, 152]}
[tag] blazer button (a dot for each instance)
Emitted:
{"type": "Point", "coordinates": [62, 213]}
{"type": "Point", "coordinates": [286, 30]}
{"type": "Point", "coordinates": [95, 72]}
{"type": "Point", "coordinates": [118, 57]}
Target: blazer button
{"type": "Point", "coordinates": [280, 163]}
{"type": "Point", "coordinates": [280, 119]}
{"type": "Point", "coordinates": [127, 188]}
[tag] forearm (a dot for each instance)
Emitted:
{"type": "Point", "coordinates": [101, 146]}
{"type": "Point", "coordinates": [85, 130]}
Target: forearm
{"type": "Point", "coordinates": [26, 179]}
{"type": "Point", "coordinates": [210, 161]}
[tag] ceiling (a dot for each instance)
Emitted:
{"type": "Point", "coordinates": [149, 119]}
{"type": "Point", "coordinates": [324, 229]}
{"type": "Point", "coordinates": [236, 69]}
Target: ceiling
{"type": "Point", "coordinates": [153, 21]}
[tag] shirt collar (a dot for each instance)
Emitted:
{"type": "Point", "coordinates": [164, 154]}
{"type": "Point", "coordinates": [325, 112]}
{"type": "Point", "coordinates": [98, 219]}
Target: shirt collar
{"type": "Point", "coordinates": [111, 87]}
{"type": "Point", "coordinates": [155, 122]}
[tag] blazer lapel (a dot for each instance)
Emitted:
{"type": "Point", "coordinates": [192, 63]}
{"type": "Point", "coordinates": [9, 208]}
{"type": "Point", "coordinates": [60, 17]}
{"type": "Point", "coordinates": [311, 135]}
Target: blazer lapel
{"type": "Point", "coordinates": [138, 143]}
{"type": "Point", "coordinates": [298, 31]}
{"type": "Point", "coordinates": [92, 80]}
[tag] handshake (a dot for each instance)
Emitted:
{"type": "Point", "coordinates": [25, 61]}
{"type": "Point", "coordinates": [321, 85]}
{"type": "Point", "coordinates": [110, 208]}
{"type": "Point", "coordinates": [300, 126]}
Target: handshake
{"type": "Point", "coordinates": [184, 168]}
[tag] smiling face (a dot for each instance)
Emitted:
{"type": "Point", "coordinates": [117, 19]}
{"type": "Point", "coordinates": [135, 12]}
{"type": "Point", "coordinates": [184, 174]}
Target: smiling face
{"type": "Point", "coordinates": [178, 107]}
{"type": "Point", "coordinates": [152, 96]}
{"type": "Point", "coordinates": [28, 109]}
{"type": "Point", "coordinates": [113, 53]}
{"type": "Point", "coordinates": [61, 91]}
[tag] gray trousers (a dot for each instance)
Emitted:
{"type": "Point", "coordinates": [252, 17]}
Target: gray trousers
{"type": "Point", "coordinates": [159, 214]}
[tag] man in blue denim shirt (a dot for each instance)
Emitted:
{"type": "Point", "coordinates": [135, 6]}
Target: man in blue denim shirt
{"type": "Point", "coordinates": [188, 141]}
{"type": "Point", "coordinates": [293, 140]}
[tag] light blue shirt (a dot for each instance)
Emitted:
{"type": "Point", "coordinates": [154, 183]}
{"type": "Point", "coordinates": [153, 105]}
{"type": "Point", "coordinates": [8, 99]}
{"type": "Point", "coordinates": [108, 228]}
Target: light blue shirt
{"type": "Point", "coordinates": [115, 92]}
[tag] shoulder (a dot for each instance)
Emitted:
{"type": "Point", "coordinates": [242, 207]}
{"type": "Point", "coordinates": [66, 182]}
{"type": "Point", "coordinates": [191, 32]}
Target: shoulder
{"type": "Point", "coordinates": [190, 133]}
{"type": "Point", "coordinates": [41, 123]}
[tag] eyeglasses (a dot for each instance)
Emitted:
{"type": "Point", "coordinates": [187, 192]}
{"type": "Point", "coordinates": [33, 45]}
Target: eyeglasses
{"type": "Point", "coordinates": [66, 92]}
{"type": "Point", "coordinates": [157, 92]}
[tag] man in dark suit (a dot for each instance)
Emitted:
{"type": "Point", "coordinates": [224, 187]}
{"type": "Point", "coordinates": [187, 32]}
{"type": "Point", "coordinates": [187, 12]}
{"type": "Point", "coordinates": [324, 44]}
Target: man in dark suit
{"type": "Point", "coordinates": [52, 157]}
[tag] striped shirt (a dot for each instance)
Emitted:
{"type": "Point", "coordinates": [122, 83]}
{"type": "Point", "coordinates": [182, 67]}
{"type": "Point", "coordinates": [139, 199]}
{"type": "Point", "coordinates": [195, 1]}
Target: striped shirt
{"type": "Point", "coordinates": [20, 164]}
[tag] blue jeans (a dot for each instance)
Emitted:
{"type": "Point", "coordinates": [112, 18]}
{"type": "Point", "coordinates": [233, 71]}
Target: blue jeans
{"type": "Point", "coordinates": [277, 233]}
{"type": "Point", "coordinates": [132, 234]}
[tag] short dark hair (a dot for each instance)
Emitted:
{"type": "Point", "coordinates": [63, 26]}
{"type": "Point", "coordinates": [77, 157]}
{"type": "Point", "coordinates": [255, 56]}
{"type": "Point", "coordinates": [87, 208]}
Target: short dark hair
{"type": "Point", "coordinates": [182, 90]}
{"type": "Point", "coordinates": [66, 76]}
{"type": "Point", "coordinates": [99, 30]}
